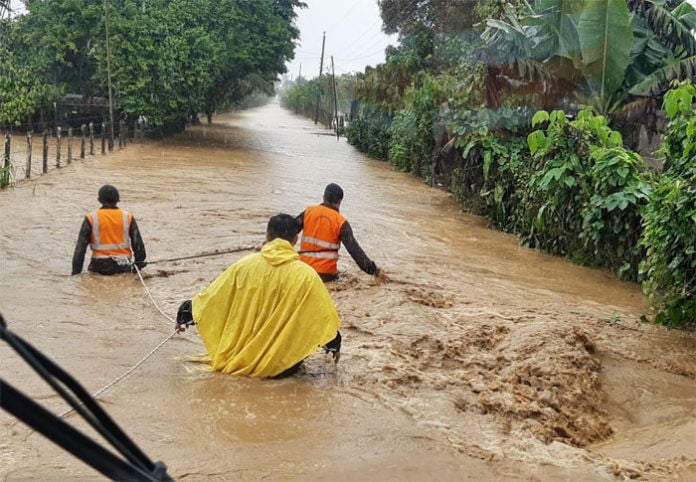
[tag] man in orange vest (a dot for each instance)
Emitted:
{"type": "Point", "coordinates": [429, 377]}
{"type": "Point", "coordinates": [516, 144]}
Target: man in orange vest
{"type": "Point", "coordinates": [113, 236]}
{"type": "Point", "coordinates": [323, 230]}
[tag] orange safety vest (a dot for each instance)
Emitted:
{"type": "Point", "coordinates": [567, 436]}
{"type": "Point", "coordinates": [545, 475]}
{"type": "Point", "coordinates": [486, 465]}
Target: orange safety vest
{"type": "Point", "coordinates": [321, 238]}
{"type": "Point", "coordinates": [110, 236]}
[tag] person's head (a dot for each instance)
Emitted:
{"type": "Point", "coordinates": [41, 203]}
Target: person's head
{"type": "Point", "coordinates": [282, 226]}
{"type": "Point", "coordinates": [108, 195]}
{"type": "Point", "coordinates": [333, 194]}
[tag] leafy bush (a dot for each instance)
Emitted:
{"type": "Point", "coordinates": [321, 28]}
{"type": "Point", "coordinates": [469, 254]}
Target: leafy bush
{"type": "Point", "coordinates": [669, 220]}
{"type": "Point", "coordinates": [585, 193]}
{"type": "Point", "coordinates": [369, 133]}
{"type": "Point", "coordinates": [506, 169]}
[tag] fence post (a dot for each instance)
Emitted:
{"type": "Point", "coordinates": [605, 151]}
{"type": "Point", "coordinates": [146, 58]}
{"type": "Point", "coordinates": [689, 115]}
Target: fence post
{"type": "Point", "coordinates": [91, 138]}
{"type": "Point", "coordinates": [45, 150]}
{"type": "Point", "coordinates": [6, 171]}
{"type": "Point", "coordinates": [83, 131]}
{"type": "Point", "coordinates": [58, 136]}
{"type": "Point", "coordinates": [120, 134]}
{"type": "Point", "coordinates": [8, 150]}
{"type": "Point", "coordinates": [30, 144]}
{"type": "Point", "coordinates": [69, 145]}
{"type": "Point", "coordinates": [103, 138]}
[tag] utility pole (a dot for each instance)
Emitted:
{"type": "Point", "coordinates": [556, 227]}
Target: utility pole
{"type": "Point", "coordinates": [299, 76]}
{"type": "Point", "coordinates": [321, 67]}
{"type": "Point", "coordinates": [333, 75]}
{"type": "Point", "coordinates": [108, 76]}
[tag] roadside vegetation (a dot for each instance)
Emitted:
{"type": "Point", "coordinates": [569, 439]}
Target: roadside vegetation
{"type": "Point", "coordinates": [533, 113]}
{"type": "Point", "coordinates": [169, 59]}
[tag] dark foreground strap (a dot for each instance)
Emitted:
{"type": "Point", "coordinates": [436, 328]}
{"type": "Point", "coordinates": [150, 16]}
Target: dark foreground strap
{"type": "Point", "coordinates": [59, 432]}
{"type": "Point", "coordinates": [137, 464]}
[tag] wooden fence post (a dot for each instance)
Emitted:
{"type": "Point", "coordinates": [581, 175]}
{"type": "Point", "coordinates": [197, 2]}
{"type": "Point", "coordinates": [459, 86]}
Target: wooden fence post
{"type": "Point", "coordinates": [83, 131]}
{"type": "Point", "coordinates": [58, 136]}
{"type": "Point", "coordinates": [45, 150]}
{"type": "Point", "coordinates": [30, 145]}
{"type": "Point", "coordinates": [5, 173]}
{"type": "Point", "coordinates": [69, 145]}
{"type": "Point", "coordinates": [8, 150]}
{"type": "Point", "coordinates": [103, 138]}
{"type": "Point", "coordinates": [91, 138]}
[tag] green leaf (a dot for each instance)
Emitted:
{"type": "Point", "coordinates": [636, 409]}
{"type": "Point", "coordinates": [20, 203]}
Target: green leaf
{"type": "Point", "coordinates": [539, 117]}
{"type": "Point", "coordinates": [605, 41]}
{"type": "Point", "coordinates": [536, 140]}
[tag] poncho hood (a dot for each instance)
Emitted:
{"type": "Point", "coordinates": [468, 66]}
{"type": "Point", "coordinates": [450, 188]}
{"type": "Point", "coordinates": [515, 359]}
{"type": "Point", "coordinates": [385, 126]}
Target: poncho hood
{"type": "Point", "coordinates": [278, 251]}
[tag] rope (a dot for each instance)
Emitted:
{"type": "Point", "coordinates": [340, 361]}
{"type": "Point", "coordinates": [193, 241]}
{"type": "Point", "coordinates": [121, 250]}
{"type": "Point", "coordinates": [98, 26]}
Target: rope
{"type": "Point", "coordinates": [228, 251]}
{"type": "Point", "coordinates": [144, 359]}
{"type": "Point", "coordinates": [216, 253]}
{"type": "Point", "coordinates": [125, 374]}
{"type": "Point", "coordinates": [142, 281]}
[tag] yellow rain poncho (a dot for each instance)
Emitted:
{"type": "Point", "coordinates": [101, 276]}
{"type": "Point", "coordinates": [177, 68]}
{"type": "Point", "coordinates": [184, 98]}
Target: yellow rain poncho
{"type": "Point", "coordinates": [265, 313]}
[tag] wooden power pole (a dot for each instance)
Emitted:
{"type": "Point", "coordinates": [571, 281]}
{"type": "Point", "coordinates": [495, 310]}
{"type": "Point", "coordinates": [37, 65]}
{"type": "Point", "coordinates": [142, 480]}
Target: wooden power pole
{"type": "Point", "coordinates": [321, 68]}
{"type": "Point", "coordinates": [108, 76]}
{"type": "Point", "coordinates": [333, 75]}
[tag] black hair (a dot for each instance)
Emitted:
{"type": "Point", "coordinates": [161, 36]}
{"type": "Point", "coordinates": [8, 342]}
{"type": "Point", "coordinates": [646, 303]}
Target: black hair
{"type": "Point", "coordinates": [333, 193]}
{"type": "Point", "coordinates": [282, 226]}
{"type": "Point", "coordinates": [108, 194]}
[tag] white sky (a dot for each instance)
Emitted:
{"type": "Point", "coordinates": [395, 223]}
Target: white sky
{"type": "Point", "coordinates": [353, 36]}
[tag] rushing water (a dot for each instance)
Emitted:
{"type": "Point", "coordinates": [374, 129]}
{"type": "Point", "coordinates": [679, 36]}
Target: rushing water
{"type": "Point", "coordinates": [481, 359]}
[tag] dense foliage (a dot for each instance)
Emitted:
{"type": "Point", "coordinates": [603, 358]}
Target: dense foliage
{"type": "Point", "coordinates": [669, 221]}
{"type": "Point", "coordinates": [169, 59]}
{"type": "Point", "coordinates": [530, 114]}
{"type": "Point", "coordinates": [320, 97]}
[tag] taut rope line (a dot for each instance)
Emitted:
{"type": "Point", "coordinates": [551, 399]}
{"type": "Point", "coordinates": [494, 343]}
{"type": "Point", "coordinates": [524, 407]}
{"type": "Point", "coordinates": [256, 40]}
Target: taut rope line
{"type": "Point", "coordinates": [125, 374]}
{"type": "Point", "coordinates": [142, 281]}
{"type": "Point", "coordinates": [144, 359]}
{"type": "Point", "coordinates": [216, 253]}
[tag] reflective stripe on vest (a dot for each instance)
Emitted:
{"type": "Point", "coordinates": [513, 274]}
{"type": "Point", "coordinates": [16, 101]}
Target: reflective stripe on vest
{"type": "Point", "coordinates": [110, 239]}
{"type": "Point", "coordinates": [320, 240]}
{"type": "Point", "coordinates": [320, 243]}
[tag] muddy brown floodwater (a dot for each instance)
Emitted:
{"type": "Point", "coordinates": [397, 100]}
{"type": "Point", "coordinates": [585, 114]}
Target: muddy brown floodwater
{"type": "Point", "coordinates": [481, 360]}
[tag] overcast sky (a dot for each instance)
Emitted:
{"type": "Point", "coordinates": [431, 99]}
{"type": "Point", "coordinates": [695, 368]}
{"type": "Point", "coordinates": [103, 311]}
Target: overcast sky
{"type": "Point", "coordinates": [353, 36]}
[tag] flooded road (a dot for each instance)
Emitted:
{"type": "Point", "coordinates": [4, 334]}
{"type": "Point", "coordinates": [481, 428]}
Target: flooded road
{"type": "Point", "coordinates": [481, 360]}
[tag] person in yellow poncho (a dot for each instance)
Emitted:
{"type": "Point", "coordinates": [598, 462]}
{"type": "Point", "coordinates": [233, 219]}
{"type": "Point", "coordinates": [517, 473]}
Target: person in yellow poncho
{"type": "Point", "coordinates": [267, 312]}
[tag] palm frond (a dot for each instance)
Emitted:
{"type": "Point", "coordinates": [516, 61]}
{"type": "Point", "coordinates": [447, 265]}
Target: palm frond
{"type": "Point", "coordinates": [673, 27]}
{"type": "Point", "coordinates": [659, 81]}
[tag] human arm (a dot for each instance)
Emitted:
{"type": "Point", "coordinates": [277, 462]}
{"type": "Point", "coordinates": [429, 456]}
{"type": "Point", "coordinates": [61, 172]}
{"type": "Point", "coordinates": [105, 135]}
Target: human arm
{"type": "Point", "coordinates": [137, 245]}
{"type": "Point", "coordinates": [83, 240]}
{"type": "Point", "coordinates": [299, 219]}
{"type": "Point", "coordinates": [356, 252]}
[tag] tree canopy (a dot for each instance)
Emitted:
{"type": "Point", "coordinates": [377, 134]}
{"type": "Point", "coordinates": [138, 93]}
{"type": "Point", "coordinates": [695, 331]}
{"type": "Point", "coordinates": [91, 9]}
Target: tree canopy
{"type": "Point", "coordinates": [169, 58]}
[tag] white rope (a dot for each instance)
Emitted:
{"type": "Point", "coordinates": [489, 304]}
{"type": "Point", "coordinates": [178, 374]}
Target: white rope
{"type": "Point", "coordinates": [137, 270]}
{"type": "Point", "coordinates": [134, 367]}
{"type": "Point", "coordinates": [128, 372]}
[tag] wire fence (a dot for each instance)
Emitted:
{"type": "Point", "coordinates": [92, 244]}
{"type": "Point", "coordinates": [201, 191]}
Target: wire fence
{"type": "Point", "coordinates": [25, 155]}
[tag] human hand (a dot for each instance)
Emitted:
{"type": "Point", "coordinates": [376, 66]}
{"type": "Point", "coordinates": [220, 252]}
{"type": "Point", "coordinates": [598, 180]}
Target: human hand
{"type": "Point", "coordinates": [382, 277]}
{"type": "Point", "coordinates": [334, 356]}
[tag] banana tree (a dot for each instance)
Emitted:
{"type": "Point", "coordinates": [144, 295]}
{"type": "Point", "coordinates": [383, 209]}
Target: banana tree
{"type": "Point", "coordinates": [668, 56]}
{"type": "Point", "coordinates": [601, 53]}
